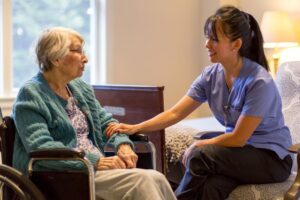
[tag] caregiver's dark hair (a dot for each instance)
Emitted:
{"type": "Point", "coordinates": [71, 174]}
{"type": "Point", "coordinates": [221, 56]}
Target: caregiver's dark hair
{"type": "Point", "coordinates": [238, 24]}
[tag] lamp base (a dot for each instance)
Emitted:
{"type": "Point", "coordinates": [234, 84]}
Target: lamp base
{"type": "Point", "coordinates": [275, 64]}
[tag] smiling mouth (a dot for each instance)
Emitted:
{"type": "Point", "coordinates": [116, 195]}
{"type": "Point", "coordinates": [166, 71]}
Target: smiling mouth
{"type": "Point", "coordinates": [211, 54]}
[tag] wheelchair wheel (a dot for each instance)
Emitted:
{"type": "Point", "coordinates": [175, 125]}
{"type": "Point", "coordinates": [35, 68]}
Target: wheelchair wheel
{"type": "Point", "coordinates": [15, 185]}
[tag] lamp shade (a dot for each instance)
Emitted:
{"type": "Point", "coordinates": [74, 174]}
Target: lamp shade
{"type": "Point", "coordinates": [278, 31]}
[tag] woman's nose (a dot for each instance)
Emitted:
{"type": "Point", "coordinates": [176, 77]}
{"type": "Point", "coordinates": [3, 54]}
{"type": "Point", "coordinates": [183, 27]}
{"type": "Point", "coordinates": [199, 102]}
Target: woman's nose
{"type": "Point", "coordinates": [85, 59]}
{"type": "Point", "coordinates": [207, 43]}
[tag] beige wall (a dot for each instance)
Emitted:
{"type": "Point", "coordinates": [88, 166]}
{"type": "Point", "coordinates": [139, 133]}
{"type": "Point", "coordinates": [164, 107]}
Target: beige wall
{"type": "Point", "coordinates": [290, 6]}
{"type": "Point", "coordinates": [257, 7]}
{"type": "Point", "coordinates": [158, 43]}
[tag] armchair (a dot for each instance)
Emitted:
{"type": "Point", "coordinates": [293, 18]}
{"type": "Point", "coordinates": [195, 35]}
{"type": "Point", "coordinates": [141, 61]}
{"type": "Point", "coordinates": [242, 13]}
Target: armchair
{"type": "Point", "coordinates": [288, 83]}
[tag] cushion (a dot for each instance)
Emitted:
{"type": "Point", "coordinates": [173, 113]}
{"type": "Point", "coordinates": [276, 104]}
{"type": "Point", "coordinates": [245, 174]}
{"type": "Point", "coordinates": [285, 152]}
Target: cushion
{"type": "Point", "coordinates": [273, 191]}
{"type": "Point", "coordinates": [178, 138]}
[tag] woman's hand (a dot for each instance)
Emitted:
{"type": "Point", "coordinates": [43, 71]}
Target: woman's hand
{"type": "Point", "coordinates": [120, 128]}
{"type": "Point", "coordinates": [127, 155]}
{"type": "Point", "coordinates": [113, 162]}
{"type": "Point", "coordinates": [111, 129]}
{"type": "Point", "coordinates": [188, 152]}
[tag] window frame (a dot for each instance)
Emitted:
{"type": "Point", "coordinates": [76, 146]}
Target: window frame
{"type": "Point", "coordinates": [6, 56]}
{"type": "Point", "coordinates": [98, 47]}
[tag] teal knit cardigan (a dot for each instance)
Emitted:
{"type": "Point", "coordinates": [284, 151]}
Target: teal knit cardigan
{"type": "Point", "coordinates": [42, 123]}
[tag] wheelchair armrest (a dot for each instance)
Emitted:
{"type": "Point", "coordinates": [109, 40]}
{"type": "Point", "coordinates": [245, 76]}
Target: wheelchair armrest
{"type": "Point", "coordinates": [56, 153]}
{"type": "Point", "coordinates": [139, 137]}
{"type": "Point", "coordinates": [295, 148]}
{"type": "Point", "coordinates": [207, 134]}
{"type": "Point", "coordinates": [42, 176]}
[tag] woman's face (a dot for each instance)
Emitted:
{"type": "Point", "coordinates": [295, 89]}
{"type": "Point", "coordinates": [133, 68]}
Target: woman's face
{"type": "Point", "coordinates": [72, 65]}
{"type": "Point", "coordinates": [222, 50]}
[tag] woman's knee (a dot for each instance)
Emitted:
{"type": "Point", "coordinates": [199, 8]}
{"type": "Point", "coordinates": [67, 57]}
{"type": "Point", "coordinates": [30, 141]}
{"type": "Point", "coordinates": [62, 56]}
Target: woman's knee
{"type": "Point", "coordinates": [208, 150]}
{"type": "Point", "coordinates": [156, 184]}
{"type": "Point", "coordinates": [202, 159]}
{"type": "Point", "coordinates": [149, 174]}
{"type": "Point", "coordinates": [157, 176]}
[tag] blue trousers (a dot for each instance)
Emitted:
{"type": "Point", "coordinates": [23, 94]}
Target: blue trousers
{"type": "Point", "coordinates": [214, 171]}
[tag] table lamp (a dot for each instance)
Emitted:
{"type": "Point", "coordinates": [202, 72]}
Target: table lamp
{"type": "Point", "coordinates": [278, 32]}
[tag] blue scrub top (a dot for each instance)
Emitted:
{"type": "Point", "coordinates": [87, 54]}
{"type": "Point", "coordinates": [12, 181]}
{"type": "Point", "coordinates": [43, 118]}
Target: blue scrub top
{"type": "Point", "coordinates": [253, 93]}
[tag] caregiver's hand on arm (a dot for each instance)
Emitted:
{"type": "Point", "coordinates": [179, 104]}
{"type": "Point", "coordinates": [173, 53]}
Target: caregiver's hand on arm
{"type": "Point", "coordinates": [122, 128]}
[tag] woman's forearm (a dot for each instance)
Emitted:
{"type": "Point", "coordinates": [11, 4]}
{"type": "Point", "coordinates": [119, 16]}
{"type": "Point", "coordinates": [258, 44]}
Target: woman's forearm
{"type": "Point", "coordinates": [160, 121]}
{"type": "Point", "coordinates": [183, 108]}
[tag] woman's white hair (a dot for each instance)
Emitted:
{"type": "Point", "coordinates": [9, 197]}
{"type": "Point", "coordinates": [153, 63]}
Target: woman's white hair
{"type": "Point", "coordinates": [54, 44]}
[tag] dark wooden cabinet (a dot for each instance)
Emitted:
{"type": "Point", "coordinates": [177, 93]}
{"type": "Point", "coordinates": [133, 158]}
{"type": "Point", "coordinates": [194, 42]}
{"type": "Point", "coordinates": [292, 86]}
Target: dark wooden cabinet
{"type": "Point", "coordinates": [133, 104]}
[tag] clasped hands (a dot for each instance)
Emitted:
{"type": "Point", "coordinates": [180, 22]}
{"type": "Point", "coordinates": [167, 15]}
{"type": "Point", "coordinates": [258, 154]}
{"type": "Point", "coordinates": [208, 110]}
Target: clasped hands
{"type": "Point", "coordinates": [125, 159]}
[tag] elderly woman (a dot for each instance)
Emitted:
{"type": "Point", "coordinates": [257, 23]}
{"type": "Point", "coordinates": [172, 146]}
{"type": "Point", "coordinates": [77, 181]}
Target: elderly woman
{"type": "Point", "coordinates": [57, 109]}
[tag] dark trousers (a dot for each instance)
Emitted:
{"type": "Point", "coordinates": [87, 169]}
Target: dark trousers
{"type": "Point", "coordinates": [214, 171]}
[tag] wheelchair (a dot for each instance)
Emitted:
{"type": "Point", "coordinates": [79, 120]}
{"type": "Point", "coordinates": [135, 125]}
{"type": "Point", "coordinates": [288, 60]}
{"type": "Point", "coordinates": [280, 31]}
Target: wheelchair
{"type": "Point", "coordinates": [56, 185]}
